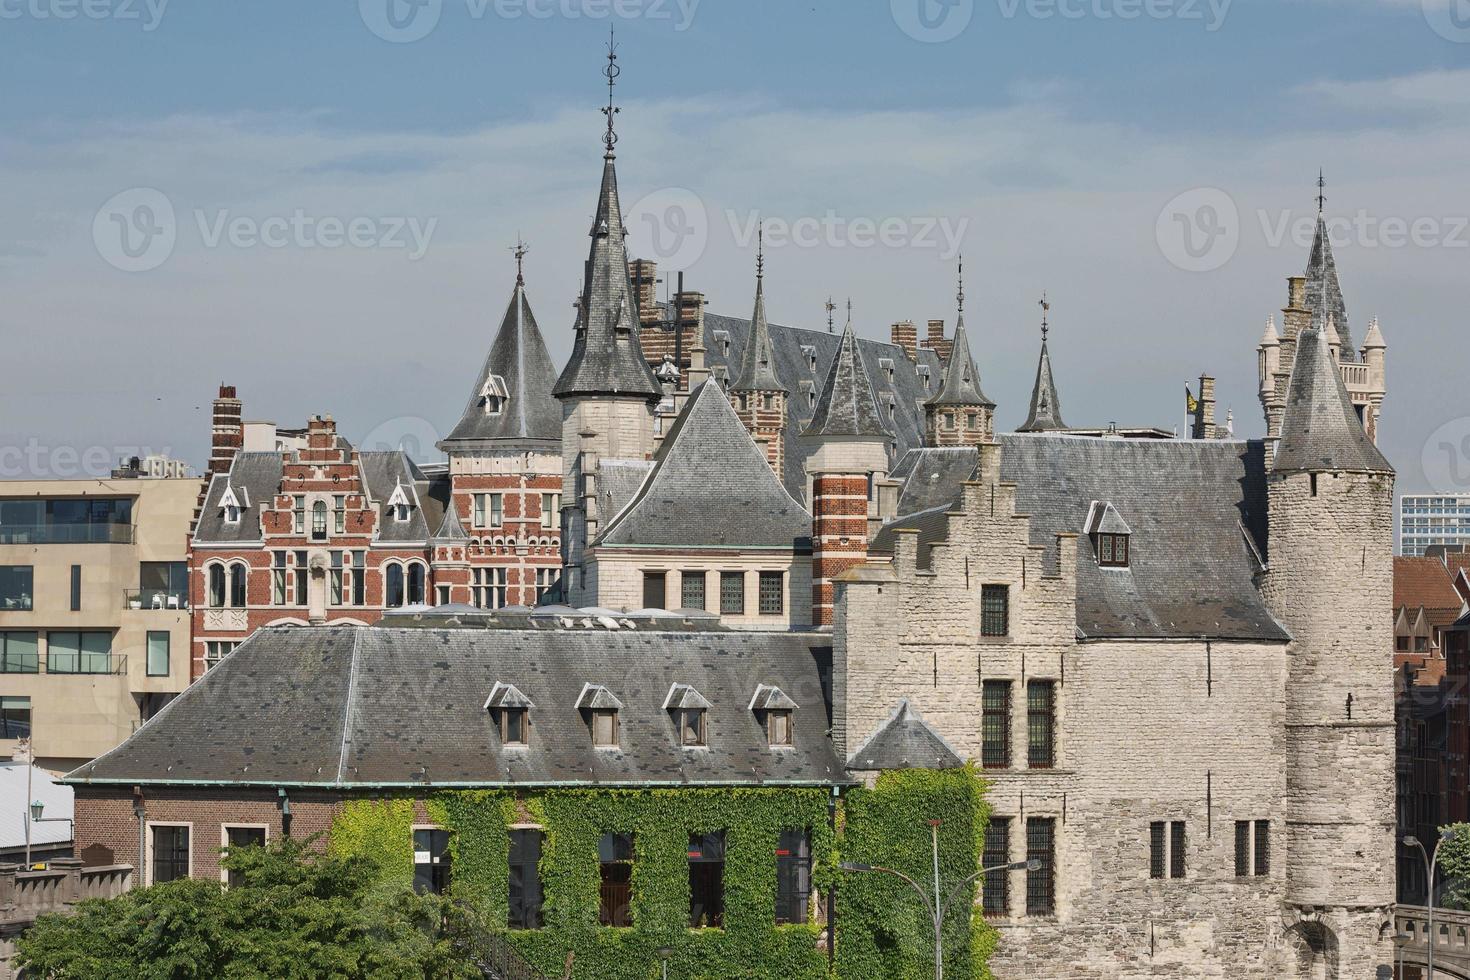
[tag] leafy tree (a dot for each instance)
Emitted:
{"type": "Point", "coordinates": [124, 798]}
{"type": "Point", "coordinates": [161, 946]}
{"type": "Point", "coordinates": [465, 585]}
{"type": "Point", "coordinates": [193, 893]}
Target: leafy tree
{"type": "Point", "coordinates": [298, 914]}
{"type": "Point", "coordinates": [1454, 865]}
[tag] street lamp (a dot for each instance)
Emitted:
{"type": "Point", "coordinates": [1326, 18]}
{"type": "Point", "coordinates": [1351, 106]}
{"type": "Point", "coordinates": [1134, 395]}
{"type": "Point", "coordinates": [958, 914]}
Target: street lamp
{"type": "Point", "coordinates": [38, 808]}
{"type": "Point", "coordinates": [1400, 940]}
{"type": "Point", "coordinates": [1429, 864]}
{"type": "Point", "coordinates": [935, 906]}
{"type": "Point", "coordinates": [664, 952]}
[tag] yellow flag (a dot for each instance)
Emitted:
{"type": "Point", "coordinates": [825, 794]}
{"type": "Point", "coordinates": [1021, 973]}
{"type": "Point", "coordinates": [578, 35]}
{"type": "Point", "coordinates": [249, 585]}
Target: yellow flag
{"type": "Point", "coordinates": [1191, 404]}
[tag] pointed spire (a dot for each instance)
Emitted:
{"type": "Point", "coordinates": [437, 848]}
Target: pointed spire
{"type": "Point", "coordinates": [847, 405]}
{"type": "Point", "coordinates": [961, 384]}
{"type": "Point", "coordinates": [451, 529]}
{"type": "Point", "coordinates": [1374, 340]}
{"type": "Point", "coordinates": [758, 363]}
{"type": "Point", "coordinates": [1046, 406]}
{"type": "Point", "coordinates": [1270, 338]}
{"type": "Point", "coordinates": [607, 357]}
{"type": "Point", "coordinates": [1323, 291]}
{"type": "Point", "coordinates": [1321, 431]}
{"type": "Point", "coordinates": [510, 405]}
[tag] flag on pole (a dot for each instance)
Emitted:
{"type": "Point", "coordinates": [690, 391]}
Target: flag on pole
{"type": "Point", "coordinates": [1191, 404]}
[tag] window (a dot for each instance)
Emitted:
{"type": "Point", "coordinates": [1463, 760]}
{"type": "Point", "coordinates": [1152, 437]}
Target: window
{"type": "Point", "coordinates": [16, 588]}
{"type": "Point", "coordinates": [170, 853]}
{"type": "Point", "coordinates": [395, 585]}
{"type": "Point", "coordinates": [995, 725]}
{"type": "Point", "coordinates": [319, 521]}
{"type": "Point", "coordinates": [691, 590]}
{"type": "Point", "coordinates": [157, 653]}
{"type": "Point", "coordinates": [972, 421]}
{"type": "Point", "coordinates": [18, 653]}
{"type": "Point", "coordinates": [1112, 550]}
{"type": "Point", "coordinates": [996, 891]}
{"type": "Point", "coordinates": [15, 717]}
{"type": "Point", "coordinates": [1176, 849]}
{"type": "Point", "coordinates": [216, 586]}
{"type": "Point", "coordinates": [238, 573]}
{"type": "Point", "coordinates": [359, 578]}
{"type": "Point", "coordinates": [1244, 851]}
{"type": "Point", "coordinates": [995, 610]}
{"type": "Point", "coordinates": [778, 727]}
{"type": "Point", "coordinates": [1263, 847]}
{"type": "Point", "coordinates": [525, 880]}
{"type": "Point", "coordinates": [772, 598]}
{"type": "Point", "coordinates": [1421, 644]}
{"type": "Point", "coordinates": [70, 652]}
{"type": "Point", "coordinates": [949, 420]}
{"type": "Point", "coordinates": [431, 861]}
{"type": "Point", "coordinates": [339, 514]}
{"type": "Point", "coordinates": [76, 588]}
{"type": "Point", "coordinates": [477, 517]}
{"type": "Point", "coordinates": [1401, 644]}
{"type": "Point", "coordinates": [1040, 724]}
{"type": "Point", "coordinates": [1174, 859]}
{"type": "Point", "coordinates": [163, 584]}
{"type": "Point", "coordinates": [605, 728]}
{"type": "Point", "coordinates": [497, 509]}
{"type": "Point", "coordinates": [550, 511]}
{"type": "Point", "coordinates": [66, 520]}
{"type": "Point", "coordinates": [707, 880]}
{"type": "Point", "coordinates": [336, 578]}
{"type": "Point", "coordinates": [653, 590]}
{"type": "Point", "coordinates": [488, 588]}
{"type": "Point", "coordinates": [232, 513]}
{"type": "Point", "coordinates": [493, 395]}
{"type": "Point", "coordinates": [236, 837]}
{"type": "Point", "coordinates": [793, 876]}
{"type": "Point", "coordinates": [615, 858]}
{"type": "Point", "coordinates": [415, 584]}
{"type": "Point", "coordinates": [513, 726]}
{"type": "Point", "coordinates": [215, 650]}
{"type": "Point", "coordinates": [278, 578]}
{"type": "Point", "coordinates": [691, 726]}
{"type": "Point", "coordinates": [1156, 856]}
{"type": "Point", "coordinates": [1041, 882]}
{"type": "Point", "coordinates": [442, 595]}
{"type": "Point", "coordinates": [545, 579]}
{"type": "Point", "coordinates": [732, 593]}
{"type": "Point", "coordinates": [298, 515]}
{"type": "Point", "coordinates": [301, 573]}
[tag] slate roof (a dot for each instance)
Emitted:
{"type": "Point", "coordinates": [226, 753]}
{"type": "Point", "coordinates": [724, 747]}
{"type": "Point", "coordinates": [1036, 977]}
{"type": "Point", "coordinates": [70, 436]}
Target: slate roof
{"type": "Point", "coordinates": [1190, 506]}
{"type": "Point", "coordinates": [904, 741]}
{"type": "Point", "coordinates": [451, 529]}
{"type": "Point", "coordinates": [931, 477]}
{"type": "Point", "coordinates": [385, 471]}
{"type": "Point", "coordinates": [259, 475]}
{"type": "Point", "coordinates": [1320, 431]}
{"type": "Point", "coordinates": [961, 384]}
{"type": "Point", "coordinates": [1046, 405]}
{"type": "Point", "coordinates": [607, 358]}
{"type": "Point", "coordinates": [707, 455]}
{"type": "Point", "coordinates": [846, 405]}
{"type": "Point", "coordinates": [531, 418]}
{"type": "Point", "coordinates": [758, 370]}
{"type": "Point", "coordinates": [1322, 274]}
{"type": "Point", "coordinates": [375, 706]}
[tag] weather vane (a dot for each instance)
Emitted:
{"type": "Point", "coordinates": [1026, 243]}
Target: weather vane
{"type": "Point", "coordinates": [1045, 309]}
{"type": "Point", "coordinates": [1321, 191]}
{"type": "Point", "coordinates": [830, 307]}
{"type": "Point", "coordinates": [960, 298]}
{"type": "Point", "coordinates": [612, 71]}
{"type": "Point", "coordinates": [760, 251]}
{"type": "Point", "coordinates": [520, 248]}
{"type": "Point", "coordinates": [849, 311]}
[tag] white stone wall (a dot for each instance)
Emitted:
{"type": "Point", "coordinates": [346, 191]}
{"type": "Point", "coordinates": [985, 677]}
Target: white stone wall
{"type": "Point", "coordinates": [617, 576]}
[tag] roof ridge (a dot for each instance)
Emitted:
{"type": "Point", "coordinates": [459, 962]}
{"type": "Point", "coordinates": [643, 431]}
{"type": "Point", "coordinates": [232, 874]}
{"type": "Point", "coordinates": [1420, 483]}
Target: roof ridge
{"type": "Point", "coordinates": [348, 703]}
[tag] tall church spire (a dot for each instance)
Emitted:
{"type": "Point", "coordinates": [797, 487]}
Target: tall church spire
{"type": "Point", "coordinates": [847, 406]}
{"type": "Point", "coordinates": [758, 363]}
{"type": "Point", "coordinates": [607, 357]}
{"type": "Point", "coordinates": [960, 413]}
{"type": "Point", "coordinates": [1046, 407]}
{"type": "Point", "coordinates": [1324, 294]}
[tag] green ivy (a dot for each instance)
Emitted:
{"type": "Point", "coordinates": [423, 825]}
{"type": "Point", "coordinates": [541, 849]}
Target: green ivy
{"type": "Point", "coordinates": [883, 928]}
{"type": "Point", "coordinates": [378, 829]}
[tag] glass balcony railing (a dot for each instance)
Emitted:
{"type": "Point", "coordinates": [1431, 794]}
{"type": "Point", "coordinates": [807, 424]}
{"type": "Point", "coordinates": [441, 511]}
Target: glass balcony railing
{"type": "Point", "coordinates": [154, 599]}
{"type": "Point", "coordinates": [66, 534]}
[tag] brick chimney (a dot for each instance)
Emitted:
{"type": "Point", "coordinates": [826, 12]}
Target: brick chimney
{"type": "Point", "coordinates": [227, 432]}
{"type": "Point", "coordinates": [1204, 412]}
{"type": "Point", "coordinates": [936, 341]}
{"type": "Point", "coordinates": [904, 334]}
{"type": "Point", "coordinates": [644, 275]}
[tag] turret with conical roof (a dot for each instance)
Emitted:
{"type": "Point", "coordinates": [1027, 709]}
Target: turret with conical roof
{"type": "Point", "coordinates": [1321, 431]}
{"type": "Point", "coordinates": [758, 394]}
{"type": "Point", "coordinates": [959, 414]}
{"type": "Point", "coordinates": [1046, 407]}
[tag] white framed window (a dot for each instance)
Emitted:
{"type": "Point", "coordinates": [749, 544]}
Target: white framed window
{"type": "Point", "coordinates": [493, 396]}
{"type": "Point", "coordinates": [550, 510]}
{"type": "Point", "coordinates": [215, 650]}
{"type": "Point", "coordinates": [240, 835]}
{"type": "Point", "coordinates": [170, 854]}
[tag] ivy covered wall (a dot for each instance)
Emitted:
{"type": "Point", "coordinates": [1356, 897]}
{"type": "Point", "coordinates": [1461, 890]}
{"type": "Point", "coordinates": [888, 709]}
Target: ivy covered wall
{"type": "Point", "coordinates": [750, 944]}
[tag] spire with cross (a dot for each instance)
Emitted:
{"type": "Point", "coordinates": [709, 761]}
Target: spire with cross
{"type": "Point", "coordinates": [612, 71]}
{"type": "Point", "coordinates": [520, 248]}
{"type": "Point", "coordinates": [1045, 309]}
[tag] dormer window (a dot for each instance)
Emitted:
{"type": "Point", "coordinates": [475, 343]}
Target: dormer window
{"type": "Point", "coordinates": [773, 708]}
{"type": "Point", "coordinates": [690, 710]}
{"type": "Point", "coordinates": [493, 396]}
{"type": "Point", "coordinates": [923, 370]}
{"type": "Point", "coordinates": [511, 711]}
{"type": "Point", "coordinates": [811, 357]}
{"type": "Point", "coordinates": [232, 514]}
{"type": "Point", "coordinates": [1110, 535]}
{"type": "Point", "coordinates": [398, 504]}
{"type": "Point", "coordinates": [886, 365]}
{"type": "Point", "coordinates": [601, 707]}
{"type": "Point", "coordinates": [232, 504]}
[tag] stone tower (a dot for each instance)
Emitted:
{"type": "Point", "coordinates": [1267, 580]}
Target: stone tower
{"type": "Point", "coordinates": [1330, 582]}
{"type": "Point", "coordinates": [848, 457]}
{"type": "Point", "coordinates": [607, 390]}
{"type": "Point", "coordinates": [757, 393]}
{"type": "Point", "coordinates": [960, 414]}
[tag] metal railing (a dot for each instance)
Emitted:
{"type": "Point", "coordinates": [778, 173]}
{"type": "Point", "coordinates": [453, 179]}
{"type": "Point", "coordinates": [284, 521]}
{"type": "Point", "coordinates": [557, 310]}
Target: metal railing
{"type": "Point", "coordinates": [491, 952]}
{"type": "Point", "coordinates": [160, 599]}
{"type": "Point", "coordinates": [66, 534]}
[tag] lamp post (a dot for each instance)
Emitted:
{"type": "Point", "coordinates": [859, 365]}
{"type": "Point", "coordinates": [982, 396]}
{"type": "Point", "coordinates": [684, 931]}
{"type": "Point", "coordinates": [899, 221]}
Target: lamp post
{"type": "Point", "coordinates": [1400, 940]}
{"type": "Point", "coordinates": [664, 952]}
{"type": "Point", "coordinates": [1429, 864]}
{"type": "Point", "coordinates": [935, 905]}
{"type": "Point", "coordinates": [38, 808]}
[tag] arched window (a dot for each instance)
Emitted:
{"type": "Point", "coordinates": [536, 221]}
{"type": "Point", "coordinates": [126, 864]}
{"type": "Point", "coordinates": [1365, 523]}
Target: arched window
{"type": "Point", "coordinates": [319, 521]}
{"type": "Point", "coordinates": [415, 584]}
{"type": "Point", "coordinates": [238, 572]}
{"type": "Point", "coordinates": [395, 585]}
{"type": "Point", "coordinates": [216, 586]}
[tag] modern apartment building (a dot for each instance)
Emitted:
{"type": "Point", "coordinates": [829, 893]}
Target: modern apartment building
{"type": "Point", "coordinates": [1433, 519]}
{"type": "Point", "coordinates": [94, 618]}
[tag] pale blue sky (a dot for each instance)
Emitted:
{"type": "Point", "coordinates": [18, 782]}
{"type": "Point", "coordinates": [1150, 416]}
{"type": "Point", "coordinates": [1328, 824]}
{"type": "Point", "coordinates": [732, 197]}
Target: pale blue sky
{"type": "Point", "coordinates": [1052, 133]}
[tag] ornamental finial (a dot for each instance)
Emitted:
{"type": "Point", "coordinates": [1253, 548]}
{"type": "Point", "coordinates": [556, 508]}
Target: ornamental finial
{"type": "Point", "coordinates": [1321, 191]}
{"type": "Point", "coordinates": [960, 297]}
{"type": "Point", "coordinates": [520, 248]}
{"type": "Point", "coordinates": [1045, 309]}
{"type": "Point", "coordinates": [612, 71]}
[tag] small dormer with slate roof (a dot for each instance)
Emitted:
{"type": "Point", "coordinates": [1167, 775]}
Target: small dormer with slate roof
{"type": "Point", "coordinates": [600, 707]}
{"type": "Point", "coordinates": [1110, 535]}
{"type": "Point", "coordinates": [510, 710]}
{"type": "Point", "coordinates": [959, 414]}
{"type": "Point", "coordinates": [690, 712]}
{"type": "Point", "coordinates": [232, 504]}
{"type": "Point", "coordinates": [773, 708]}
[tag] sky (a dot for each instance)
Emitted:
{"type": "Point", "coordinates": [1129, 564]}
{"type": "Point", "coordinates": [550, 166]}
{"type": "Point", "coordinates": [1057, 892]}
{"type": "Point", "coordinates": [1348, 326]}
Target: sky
{"type": "Point", "coordinates": [315, 202]}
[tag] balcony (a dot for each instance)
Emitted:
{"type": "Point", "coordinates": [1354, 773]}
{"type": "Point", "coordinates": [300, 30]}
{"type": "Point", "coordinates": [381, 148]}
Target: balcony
{"type": "Point", "coordinates": [66, 534]}
{"type": "Point", "coordinates": [67, 664]}
{"type": "Point", "coordinates": [154, 599]}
